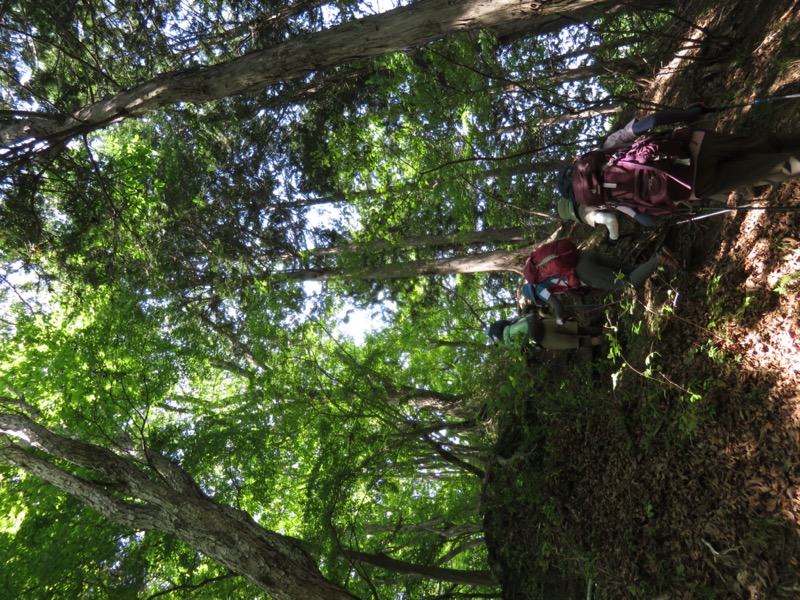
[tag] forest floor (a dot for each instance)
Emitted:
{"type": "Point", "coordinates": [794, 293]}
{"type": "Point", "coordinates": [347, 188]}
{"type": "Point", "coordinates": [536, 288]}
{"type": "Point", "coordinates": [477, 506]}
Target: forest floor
{"type": "Point", "coordinates": [681, 479]}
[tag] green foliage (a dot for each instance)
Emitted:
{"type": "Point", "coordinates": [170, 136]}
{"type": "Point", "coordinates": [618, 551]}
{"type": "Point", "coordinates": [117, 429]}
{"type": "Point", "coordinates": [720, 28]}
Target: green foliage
{"type": "Point", "coordinates": [159, 306]}
{"type": "Point", "coordinates": [42, 557]}
{"type": "Point", "coordinates": [59, 548]}
{"type": "Point", "coordinates": [315, 437]}
{"type": "Point", "coordinates": [629, 35]}
{"type": "Point", "coordinates": [786, 282]}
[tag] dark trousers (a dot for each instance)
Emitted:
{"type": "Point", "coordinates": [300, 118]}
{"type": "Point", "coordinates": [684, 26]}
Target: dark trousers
{"type": "Point", "coordinates": [727, 162]}
{"type": "Point", "coordinates": [607, 273]}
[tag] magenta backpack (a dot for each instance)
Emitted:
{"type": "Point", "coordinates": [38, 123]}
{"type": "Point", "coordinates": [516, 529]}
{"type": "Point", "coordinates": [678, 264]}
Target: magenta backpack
{"type": "Point", "coordinates": [650, 175]}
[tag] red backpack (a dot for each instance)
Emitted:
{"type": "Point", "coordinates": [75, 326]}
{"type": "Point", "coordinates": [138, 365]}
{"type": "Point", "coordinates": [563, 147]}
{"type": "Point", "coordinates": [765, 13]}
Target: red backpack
{"type": "Point", "coordinates": [554, 258]}
{"type": "Point", "coordinates": [650, 175]}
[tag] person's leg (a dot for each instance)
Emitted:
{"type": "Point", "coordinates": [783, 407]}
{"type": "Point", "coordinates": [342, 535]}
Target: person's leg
{"type": "Point", "coordinates": [604, 272]}
{"type": "Point", "coordinates": [560, 337]}
{"type": "Point", "coordinates": [589, 335]}
{"type": "Point", "coordinates": [727, 162]}
{"type": "Point", "coordinates": [718, 146]}
{"type": "Point", "coordinates": [643, 271]}
{"type": "Point", "coordinates": [611, 262]}
{"type": "Point", "coordinates": [600, 270]}
{"type": "Point", "coordinates": [589, 330]}
{"type": "Point", "coordinates": [758, 169]}
{"type": "Point", "coordinates": [607, 273]}
{"type": "Point", "coordinates": [646, 220]}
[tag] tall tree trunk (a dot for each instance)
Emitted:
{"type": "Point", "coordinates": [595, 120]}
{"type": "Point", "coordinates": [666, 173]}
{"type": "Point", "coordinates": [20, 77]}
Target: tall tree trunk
{"type": "Point", "coordinates": [510, 31]}
{"type": "Point", "coordinates": [507, 235]}
{"type": "Point", "coordinates": [168, 501]}
{"type": "Point", "coordinates": [485, 262]}
{"type": "Point", "coordinates": [587, 113]}
{"type": "Point", "coordinates": [626, 65]}
{"type": "Point", "coordinates": [417, 23]}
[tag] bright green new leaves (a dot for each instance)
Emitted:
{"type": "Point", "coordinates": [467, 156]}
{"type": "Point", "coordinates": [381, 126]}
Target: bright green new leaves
{"type": "Point", "coordinates": [59, 548]}
{"type": "Point", "coordinates": [315, 438]}
{"type": "Point", "coordinates": [384, 464]}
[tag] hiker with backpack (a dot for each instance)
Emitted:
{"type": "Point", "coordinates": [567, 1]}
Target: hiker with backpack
{"type": "Point", "coordinates": [604, 215]}
{"type": "Point", "coordinates": [646, 178]}
{"type": "Point", "coordinates": [559, 267]}
{"type": "Point", "coordinates": [532, 331]}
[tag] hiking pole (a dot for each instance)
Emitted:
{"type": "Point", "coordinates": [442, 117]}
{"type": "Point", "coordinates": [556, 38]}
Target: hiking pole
{"type": "Point", "coordinates": [752, 206]}
{"type": "Point", "coordinates": [710, 109]}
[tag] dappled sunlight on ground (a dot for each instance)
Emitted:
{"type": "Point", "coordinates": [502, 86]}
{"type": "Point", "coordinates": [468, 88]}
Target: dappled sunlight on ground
{"type": "Point", "coordinates": [773, 267]}
{"type": "Point", "coordinates": [750, 542]}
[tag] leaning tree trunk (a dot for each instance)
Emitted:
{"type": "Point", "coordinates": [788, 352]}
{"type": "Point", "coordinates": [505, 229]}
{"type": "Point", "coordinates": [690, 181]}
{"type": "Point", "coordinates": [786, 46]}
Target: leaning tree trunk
{"type": "Point", "coordinates": [411, 25]}
{"type": "Point", "coordinates": [507, 235]}
{"type": "Point", "coordinates": [483, 262]}
{"type": "Point", "coordinates": [156, 494]}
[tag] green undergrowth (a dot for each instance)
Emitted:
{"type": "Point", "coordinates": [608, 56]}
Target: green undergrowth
{"type": "Point", "coordinates": [531, 414]}
{"type": "Point", "coordinates": [552, 421]}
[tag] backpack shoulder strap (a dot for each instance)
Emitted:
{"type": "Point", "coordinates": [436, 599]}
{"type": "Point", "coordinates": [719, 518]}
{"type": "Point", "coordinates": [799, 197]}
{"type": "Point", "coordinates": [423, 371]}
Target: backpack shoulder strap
{"type": "Point", "coordinates": [535, 329]}
{"type": "Point", "coordinates": [645, 167]}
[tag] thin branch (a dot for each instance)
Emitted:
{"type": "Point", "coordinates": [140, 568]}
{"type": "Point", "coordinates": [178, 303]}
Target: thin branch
{"type": "Point", "coordinates": [192, 586]}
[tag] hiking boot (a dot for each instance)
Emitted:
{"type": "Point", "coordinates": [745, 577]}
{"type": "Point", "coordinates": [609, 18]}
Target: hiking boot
{"type": "Point", "coordinates": [667, 259]}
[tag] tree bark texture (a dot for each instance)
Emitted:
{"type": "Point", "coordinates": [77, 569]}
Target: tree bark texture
{"type": "Point", "coordinates": [484, 262]}
{"type": "Point", "coordinates": [153, 493]}
{"type": "Point", "coordinates": [507, 235]}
